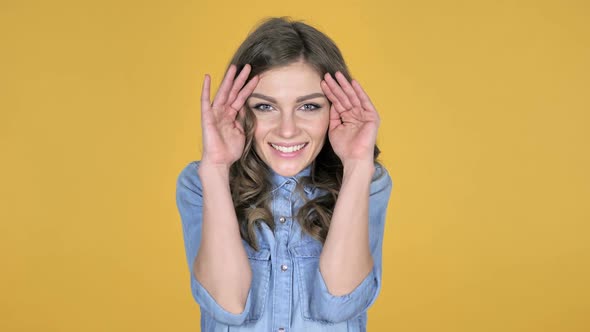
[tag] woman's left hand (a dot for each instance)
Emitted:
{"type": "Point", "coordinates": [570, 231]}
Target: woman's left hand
{"type": "Point", "coordinates": [353, 119]}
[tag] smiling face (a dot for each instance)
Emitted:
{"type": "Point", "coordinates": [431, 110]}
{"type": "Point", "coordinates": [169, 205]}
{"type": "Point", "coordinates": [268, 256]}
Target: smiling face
{"type": "Point", "coordinates": [292, 117]}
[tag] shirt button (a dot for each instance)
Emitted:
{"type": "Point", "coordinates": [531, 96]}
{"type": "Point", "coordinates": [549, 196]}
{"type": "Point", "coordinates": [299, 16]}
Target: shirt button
{"type": "Point", "coordinates": [281, 329]}
{"type": "Point", "coordinates": [284, 267]}
{"type": "Point", "coordinates": [282, 219]}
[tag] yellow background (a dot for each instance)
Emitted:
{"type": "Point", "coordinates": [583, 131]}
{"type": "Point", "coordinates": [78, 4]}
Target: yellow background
{"type": "Point", "coordinates": [485, 131]}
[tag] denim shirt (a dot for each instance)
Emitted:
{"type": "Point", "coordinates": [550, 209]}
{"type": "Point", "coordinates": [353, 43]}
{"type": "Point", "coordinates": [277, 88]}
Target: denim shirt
{"type": "Point", "coordinates": [288, 292]}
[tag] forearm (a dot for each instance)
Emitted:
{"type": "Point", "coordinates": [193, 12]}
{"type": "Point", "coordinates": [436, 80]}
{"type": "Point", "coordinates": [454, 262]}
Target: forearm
{"type": "Point", "coordinates": [221, 265]}
{"type": "Point", "coordinates": [346, 257]}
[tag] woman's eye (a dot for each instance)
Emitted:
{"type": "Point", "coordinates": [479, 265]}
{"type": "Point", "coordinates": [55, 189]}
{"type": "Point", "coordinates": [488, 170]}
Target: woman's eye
{"type": "Point", "coordinates": [262, 107]}
{"type": "Point", "coordinates": [310, 107]}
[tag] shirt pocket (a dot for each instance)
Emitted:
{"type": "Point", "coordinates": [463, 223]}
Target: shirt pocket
{"type": "Point", "coordinates": [307, 259]}
{"type": "Point", "coordinates": [260, 265]}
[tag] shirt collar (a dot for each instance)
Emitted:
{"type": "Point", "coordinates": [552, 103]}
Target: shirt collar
{"type": "Point", "coordinates": [280, 181]}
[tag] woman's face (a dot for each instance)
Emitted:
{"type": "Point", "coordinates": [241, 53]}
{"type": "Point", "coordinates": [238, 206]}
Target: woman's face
{"type": "Point", "coordinates": [292, 117]}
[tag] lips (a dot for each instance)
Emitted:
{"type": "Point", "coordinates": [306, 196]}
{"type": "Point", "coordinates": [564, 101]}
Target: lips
{"type": "Point", "coordinates": [288, 148]}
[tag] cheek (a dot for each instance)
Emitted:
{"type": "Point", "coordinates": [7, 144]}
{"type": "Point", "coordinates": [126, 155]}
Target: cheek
{"type": "Point", "coordinates": [318, 128]}
{"type": "Point", "coordinates": [257, 138]}
{"type": "Point", "coordinates": [260, 132]}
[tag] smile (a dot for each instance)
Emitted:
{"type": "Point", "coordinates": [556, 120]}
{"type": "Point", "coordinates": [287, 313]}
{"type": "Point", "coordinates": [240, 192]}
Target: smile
{"type": "Point", "coordinates": [288, 149]}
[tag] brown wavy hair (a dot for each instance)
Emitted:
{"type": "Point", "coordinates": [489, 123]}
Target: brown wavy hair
{"type": "Point", "coordinates": [278, 42]}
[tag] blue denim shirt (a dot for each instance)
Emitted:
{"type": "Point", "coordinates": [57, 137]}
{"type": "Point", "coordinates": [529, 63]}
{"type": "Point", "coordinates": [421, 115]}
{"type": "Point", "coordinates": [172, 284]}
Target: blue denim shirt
{"type": "Point", "coordinates": [287, 293]}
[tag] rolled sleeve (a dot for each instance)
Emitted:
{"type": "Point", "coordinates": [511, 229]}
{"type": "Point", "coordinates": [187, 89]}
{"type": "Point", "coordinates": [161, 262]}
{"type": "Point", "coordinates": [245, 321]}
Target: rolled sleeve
{"type": "Point", "coordinates": [208, 303]}
{"type": "Point", "coordinates": [189, 201]}
{"type": "Point", "coordinates": [336, 309]}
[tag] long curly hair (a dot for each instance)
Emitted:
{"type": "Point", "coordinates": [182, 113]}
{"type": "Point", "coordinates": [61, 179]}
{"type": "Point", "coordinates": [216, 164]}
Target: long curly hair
{"type": "Point", "coordinates": [274, 43]}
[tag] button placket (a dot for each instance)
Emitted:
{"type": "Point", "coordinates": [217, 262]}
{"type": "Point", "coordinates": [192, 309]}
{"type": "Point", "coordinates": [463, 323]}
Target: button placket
{"type": "Point", "coordinates": [283, 281]}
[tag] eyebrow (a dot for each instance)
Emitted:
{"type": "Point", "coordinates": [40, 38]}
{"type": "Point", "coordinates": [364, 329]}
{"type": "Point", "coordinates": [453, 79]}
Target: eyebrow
{"type": "Point", "coordinates": [299, 99]}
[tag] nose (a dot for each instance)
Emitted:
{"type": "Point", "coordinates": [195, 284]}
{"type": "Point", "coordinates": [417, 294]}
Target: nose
{"type": "Point", "coordinates": [288, 126]}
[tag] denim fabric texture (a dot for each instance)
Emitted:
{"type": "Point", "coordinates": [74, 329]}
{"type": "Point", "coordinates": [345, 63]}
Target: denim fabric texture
{"type": "Point", "coordinates": [288, 292]}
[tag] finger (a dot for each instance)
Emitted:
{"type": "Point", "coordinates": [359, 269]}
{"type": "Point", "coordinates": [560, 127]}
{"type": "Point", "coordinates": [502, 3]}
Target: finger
{"type": "Point", "coordinates": [332, 97]}
{"type": "Point", "coordinates": [348, 89]}
{"type": "Point", "coordinates": [205, 91]}
{"type": "Point", "coordinates": [335, 119]}
{"type": "Point", "coordinates": [241, 117]}
{"type": "Point", "coordinates": [223, 90]}
{"type": "Point", "coordinates": [239, 83]}
{"type": "Point", "coordinates": [337, 90]}
{"type": "Point", "coordinates": [364, 98]}
{"type": "Point", "coordinates": [357, 109]}
{"type": "Point", "coordinates": [245, 93]}
{"type": "Point", "coordinates": [238, 124]}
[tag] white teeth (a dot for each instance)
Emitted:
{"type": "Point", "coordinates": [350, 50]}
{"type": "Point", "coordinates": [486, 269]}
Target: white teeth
{"type": "Point", "coordinates": [288, 149]}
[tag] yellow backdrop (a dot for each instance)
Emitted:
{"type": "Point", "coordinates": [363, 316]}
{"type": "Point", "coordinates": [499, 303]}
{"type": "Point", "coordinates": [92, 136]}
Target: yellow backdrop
{"type": "Point", "coordinates": [485, 131]}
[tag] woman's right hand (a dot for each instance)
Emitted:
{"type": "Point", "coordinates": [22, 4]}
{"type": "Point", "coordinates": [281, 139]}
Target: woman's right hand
{"type": "Point", "coordinates": [223, 134]}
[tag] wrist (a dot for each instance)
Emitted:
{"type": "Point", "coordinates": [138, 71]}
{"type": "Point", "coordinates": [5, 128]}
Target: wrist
{"type": "Point", "coordinates": [207, 169]}
{"type": "Point", "coordinates": [359, 168]}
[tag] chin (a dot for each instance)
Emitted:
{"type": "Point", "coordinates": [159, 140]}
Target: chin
{"type": "Point", "coordinates": [287, 172]}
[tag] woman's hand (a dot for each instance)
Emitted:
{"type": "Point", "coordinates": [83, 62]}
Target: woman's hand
{"type": "Point", "coordinates": [353, 120]}
{"type": "Point", "coordinates": [223, 134]}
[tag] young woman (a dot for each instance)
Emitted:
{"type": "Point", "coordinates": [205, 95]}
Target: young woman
{"type": "Point", "coordinates": [283, 216]}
